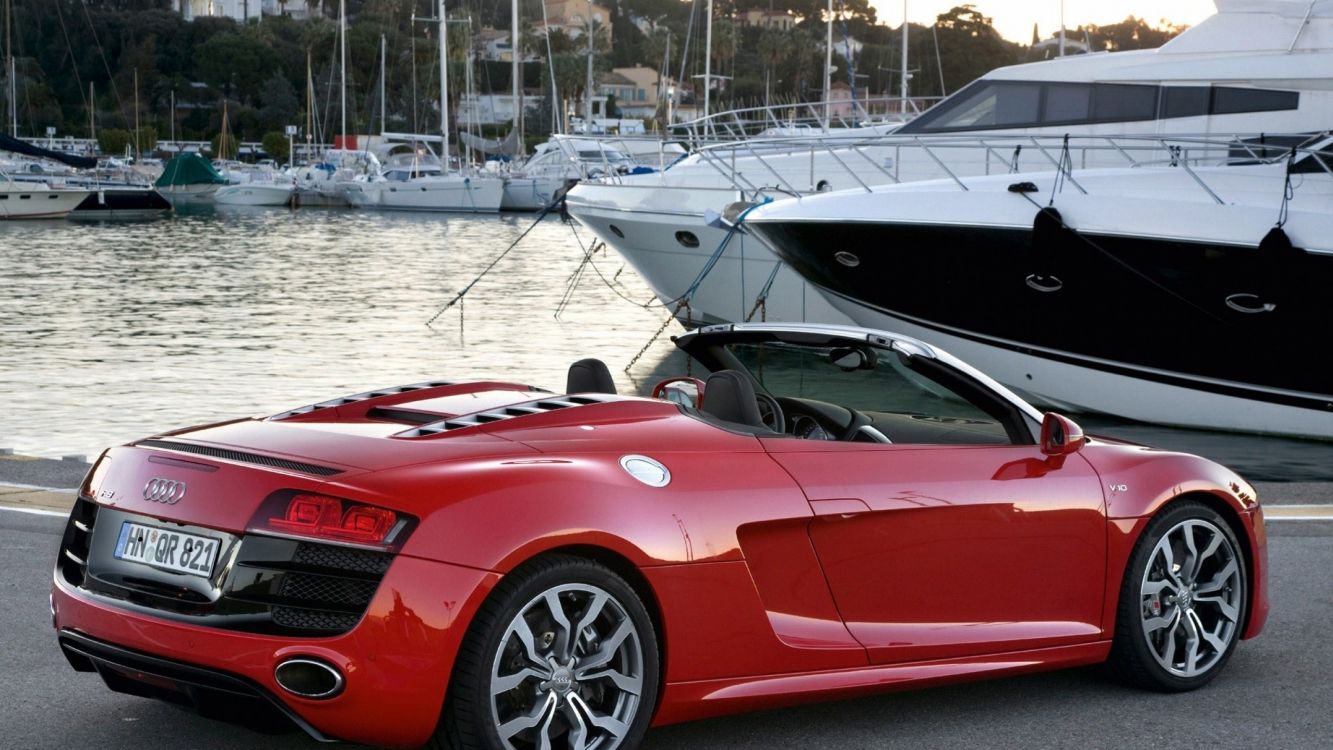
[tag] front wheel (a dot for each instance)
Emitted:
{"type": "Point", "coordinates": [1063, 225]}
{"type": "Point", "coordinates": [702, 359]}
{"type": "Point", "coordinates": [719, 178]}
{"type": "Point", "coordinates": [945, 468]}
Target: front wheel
{"type": "Point", "coordinates": [1182, 601]}
{"type": "Point", "coordinates": [562, 655]}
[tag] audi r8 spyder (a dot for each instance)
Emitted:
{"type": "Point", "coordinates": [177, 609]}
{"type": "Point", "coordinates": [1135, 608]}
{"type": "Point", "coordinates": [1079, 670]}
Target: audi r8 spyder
{"type": "Point", "coordinates": [805, 512]}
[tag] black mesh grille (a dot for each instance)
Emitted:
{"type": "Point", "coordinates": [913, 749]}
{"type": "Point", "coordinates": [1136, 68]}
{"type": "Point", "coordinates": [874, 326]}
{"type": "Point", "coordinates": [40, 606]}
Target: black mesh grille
{"type": "Point", "coordinates": [241, 457]}
{"type": "Point", "coordinates": [327, 590]}
{"type": "Point", "coordinates": [304, 619]}
{"type": "Point", "coordinates": [342, 558]}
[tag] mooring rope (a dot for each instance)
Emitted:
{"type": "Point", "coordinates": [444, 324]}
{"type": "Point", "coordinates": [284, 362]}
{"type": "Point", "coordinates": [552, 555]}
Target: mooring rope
{"type": "Point", "coordinates": [457, 298]}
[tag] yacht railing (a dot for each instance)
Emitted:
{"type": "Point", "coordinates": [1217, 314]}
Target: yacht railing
{"type": "Point", "coordinates": [760, 165]}
{"type": "Point", "coordinates": [801, 118]}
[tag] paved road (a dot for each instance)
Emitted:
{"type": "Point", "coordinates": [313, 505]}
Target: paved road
{"type": "Point", "coordinates": [1276, 692]}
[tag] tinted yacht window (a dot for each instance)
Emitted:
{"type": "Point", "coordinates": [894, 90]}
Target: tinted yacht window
{"type": "Point", "coordinates": [1230, 101]}
{"type": "Point", "coordinates": [1123, 102]}
{"type": "Point", "coordinates": [1067, 102]}
{"type": "Point", "coordinates": [1184, 101]}
{"type": "Point", "coordinates": [983, 105]}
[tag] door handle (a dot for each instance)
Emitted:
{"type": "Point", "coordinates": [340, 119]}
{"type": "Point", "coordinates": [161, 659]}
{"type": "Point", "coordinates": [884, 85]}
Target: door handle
{"type": "Point", "coordinates": [841, 506]}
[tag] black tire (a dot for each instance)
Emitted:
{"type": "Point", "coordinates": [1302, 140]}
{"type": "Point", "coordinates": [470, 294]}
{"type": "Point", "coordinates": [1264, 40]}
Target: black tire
{"type": "Point", "coordinates": [472, 716]}
{"type": "Point", "coordinates": [1146, 650]}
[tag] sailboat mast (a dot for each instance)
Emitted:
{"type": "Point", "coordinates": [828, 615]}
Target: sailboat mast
{"type": "Point", "coordinates": [342, 42]}
{"type": "Point", "coordinates": [514, 75]}
{"type": "Point", "coordinates": [828, 66]}
{"type": "Point", "coordinates": [92, 122]}
{"type": "Point", "coordinates": [11, 73]}
{"type": "Point", "coordinates": [708, 58]}
{"type": "Point", "coordinates": [444, 89]}
{"type": "Point", "coordinates": [905, 74]}
{"type": "Point", "coordinates": [384, 109]}
{"type": "Point", "coordinates": [309, 103]}
{"type": "Point", "coordinates": [587, 86]}
{"type": "Point", "coordinates": [136, 115]}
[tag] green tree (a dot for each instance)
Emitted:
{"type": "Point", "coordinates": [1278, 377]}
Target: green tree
{"type": "Point", "coordinates": [280, 105]}
{"type": "Point", "coordinates": [112, 141]}
{"type": "Point", "coordinates": [275, 145]}
{"type": "Point", "coordinates": [236, 64]}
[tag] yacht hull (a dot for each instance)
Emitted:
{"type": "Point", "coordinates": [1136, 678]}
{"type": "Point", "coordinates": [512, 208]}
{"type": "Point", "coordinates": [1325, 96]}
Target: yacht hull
{"type": "Point", "coordinates": [38, 202]}
{"type": "Point", "coordinates": [1199, 326]}
{"type": "Point", "coordinates": [530, 193]}
{"type": "Point", "coordinates": [254, 195]}
{"type": "Point", "coordinates": [189, 195]}
{"type": "Point", "coordinates": [448, 194]}
{"type": "Point", "coordinates": [122, 203]}
{"type": "Point", "coordinates": [671, 247]}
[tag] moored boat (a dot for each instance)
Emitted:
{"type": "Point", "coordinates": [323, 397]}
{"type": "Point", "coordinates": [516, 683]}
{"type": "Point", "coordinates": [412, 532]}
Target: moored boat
{"type": "Point", "coordinates": [1173, 294]}
{"type": "Point", "coordinates": [189, 180]}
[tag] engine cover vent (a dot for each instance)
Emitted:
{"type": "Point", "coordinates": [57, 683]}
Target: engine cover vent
{"type": "Point", "coordinates": [497, 415]}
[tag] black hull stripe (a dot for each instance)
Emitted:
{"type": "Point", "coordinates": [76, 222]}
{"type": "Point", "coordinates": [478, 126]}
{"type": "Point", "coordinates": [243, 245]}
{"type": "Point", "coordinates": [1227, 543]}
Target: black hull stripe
{"type": "Point", "coordinates": [1235, 390]}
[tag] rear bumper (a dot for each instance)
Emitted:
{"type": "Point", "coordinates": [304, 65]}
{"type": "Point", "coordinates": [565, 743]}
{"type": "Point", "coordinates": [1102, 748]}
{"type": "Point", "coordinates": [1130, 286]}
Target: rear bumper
{"type": "Point", "coordinates": [396, 661]}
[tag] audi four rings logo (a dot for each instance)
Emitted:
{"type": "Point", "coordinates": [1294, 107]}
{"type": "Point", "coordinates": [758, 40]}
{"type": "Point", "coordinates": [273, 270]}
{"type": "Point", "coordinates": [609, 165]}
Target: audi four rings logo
{"type": "Point", "coordinates": [163, 491]}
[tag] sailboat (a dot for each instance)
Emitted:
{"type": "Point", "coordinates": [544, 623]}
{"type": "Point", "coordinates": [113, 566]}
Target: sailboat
{"type": "Point", "coordinates": [418, 180]}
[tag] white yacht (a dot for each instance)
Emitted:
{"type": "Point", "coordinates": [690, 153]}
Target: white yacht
{"type": "Point", "coordinates": [553, 165]}
{"type": "Point", "coordinates": [416, 180]}
{"type": "Point", "coordinates": [1168, 292]}
{"type": "Point", "coordinates": [1256, 66]}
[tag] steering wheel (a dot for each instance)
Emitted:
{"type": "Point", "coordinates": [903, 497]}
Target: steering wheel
{"type": "Point", "coordinates": [661, 387]}
{"type": "Point", "coordinates": [770, 412]}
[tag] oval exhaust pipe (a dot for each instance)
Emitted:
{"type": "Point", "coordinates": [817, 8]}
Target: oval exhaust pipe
{"type": "Point", "coordinates": [309, 678]}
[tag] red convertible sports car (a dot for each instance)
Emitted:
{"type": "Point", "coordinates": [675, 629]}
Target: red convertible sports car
{"type": "Point", "coordinates": [806, 512]}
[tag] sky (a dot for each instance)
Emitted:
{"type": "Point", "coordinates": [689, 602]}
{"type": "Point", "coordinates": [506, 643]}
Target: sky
{"type": "Point", "coordinates": [1014, 18]}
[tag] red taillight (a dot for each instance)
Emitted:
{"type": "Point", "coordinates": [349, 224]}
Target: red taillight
{"type": "Point", "coordinates": [331, 518]}
{"type": "Point", "coordinates": [310, 514]}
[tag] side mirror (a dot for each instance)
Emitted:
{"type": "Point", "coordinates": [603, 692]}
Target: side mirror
{"type": "Point", "coordinates": [1060, 436]}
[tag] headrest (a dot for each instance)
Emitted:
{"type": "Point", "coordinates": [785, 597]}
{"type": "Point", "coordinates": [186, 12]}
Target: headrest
{"type": "Point", "coordinates": [729, 396]}
{"type": "Point", "coordinates": [589, 376]}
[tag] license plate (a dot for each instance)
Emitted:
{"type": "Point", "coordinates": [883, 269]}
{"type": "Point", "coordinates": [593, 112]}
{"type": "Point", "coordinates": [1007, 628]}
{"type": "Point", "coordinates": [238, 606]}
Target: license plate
{"type": "Point", "coordinates": [166, 549]}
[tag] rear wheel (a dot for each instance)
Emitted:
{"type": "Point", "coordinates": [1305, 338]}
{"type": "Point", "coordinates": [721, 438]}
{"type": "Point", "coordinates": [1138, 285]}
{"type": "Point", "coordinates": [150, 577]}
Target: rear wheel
{"type": "Point", "coordinates": [1182, 601]}
{"type": "Point", "coordinates": [562, 655]}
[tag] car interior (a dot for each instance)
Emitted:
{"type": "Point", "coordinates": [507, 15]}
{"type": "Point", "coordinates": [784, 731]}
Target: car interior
{"type": "Point", "coordinates": [850, 393]}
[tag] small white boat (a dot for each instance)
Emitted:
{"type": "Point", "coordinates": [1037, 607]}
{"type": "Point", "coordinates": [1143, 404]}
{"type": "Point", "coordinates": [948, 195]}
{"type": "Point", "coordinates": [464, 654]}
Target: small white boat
{"type": "Point", "coordinates": [37, 200]}
{"type": "Point", "coordinates": [255, 194]}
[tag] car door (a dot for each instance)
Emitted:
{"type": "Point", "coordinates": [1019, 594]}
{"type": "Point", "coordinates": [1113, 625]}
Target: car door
{"type": "Point", "coordinates": [939, 551]}
{"type": "Point", "coordinates": [941, 527]}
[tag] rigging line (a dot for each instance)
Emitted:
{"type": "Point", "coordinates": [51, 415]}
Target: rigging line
{"type": "Point", "coordinates": [610, 283]}
{"type": "Point", "coordinates": [717, 254]}
{"type": "Point", "coordinates": [1123, 264]}
{"type": "Point", "coordinates": [105, 66]}
{"type": "Point", "coordinates": [458, 298]}
{"type": "Point", "coordinates": [1288, 192]}
{"type": "Point", "coordinates": [762, 298]}
{"type": "Point", "coordinates": [69, 49]}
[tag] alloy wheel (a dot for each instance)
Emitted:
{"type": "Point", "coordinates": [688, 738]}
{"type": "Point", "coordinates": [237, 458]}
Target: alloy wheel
{"type": "Point", "coordinates": [1191, 596]}
{"type": "Point", "coordinates": [569, 672]}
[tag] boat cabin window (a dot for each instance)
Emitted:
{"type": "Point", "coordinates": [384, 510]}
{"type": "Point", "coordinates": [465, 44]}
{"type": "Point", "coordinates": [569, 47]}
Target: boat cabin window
{"type": "Point", "coordinates": [989, 105]}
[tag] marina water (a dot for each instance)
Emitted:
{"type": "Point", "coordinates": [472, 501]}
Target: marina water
{"type": "Point", "coordinates": [113, 331]}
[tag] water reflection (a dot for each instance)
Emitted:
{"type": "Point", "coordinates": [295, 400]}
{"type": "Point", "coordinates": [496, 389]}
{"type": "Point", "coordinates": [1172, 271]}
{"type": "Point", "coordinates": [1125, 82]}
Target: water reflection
{"type": "Point", "coordinates": [110, 331]}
